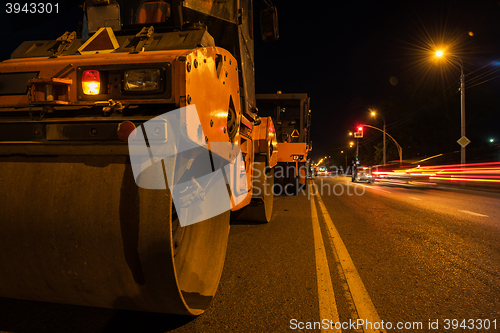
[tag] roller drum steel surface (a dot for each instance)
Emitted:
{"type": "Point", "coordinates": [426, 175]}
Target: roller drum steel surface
{"type": "Point", "coordinates": [78, 230]}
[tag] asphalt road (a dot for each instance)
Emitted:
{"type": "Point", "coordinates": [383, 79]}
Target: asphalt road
{"type": "Point", "coordinates": [408, 257]}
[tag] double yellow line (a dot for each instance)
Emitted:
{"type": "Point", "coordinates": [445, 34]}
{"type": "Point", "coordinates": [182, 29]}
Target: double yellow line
{"type": "Point", "coordinates": [327, 304]}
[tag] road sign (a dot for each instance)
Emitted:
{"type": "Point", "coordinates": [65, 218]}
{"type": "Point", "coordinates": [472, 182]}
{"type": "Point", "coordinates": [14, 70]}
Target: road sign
{"type": "Point", "coordinates": [295, 134]}
{"type": "Point", "coordinates": [463, 141]}
{"type": "Point", "coordinates": [358, 134]}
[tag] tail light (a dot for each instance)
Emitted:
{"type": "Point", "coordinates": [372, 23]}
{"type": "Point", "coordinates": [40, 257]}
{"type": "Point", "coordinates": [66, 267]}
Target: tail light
{"type": "Point", "coordinates": [91, 82]}
{"type": "Point", "coordinates": [126, 130]}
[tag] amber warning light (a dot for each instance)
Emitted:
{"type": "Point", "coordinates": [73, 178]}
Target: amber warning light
{"type": "Point", "coordinates": [91, 82]}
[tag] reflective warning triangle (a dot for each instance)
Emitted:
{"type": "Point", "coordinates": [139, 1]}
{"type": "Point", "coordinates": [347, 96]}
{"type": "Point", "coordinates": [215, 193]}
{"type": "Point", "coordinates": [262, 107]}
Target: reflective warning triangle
{"type": "Point", "coordinates": [103, 41]}
{"type": "Point", "coordinates": [295, 134]}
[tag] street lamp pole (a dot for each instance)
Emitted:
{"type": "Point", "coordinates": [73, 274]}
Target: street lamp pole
{"type": "Point", "coordinates": [345, 155]}
{"type": "Point", "coordinates": [384, 161]}
{"type": "Point", "coordinates": [462, 110]}
{"type": "Point", "coordinates": [462, 102]}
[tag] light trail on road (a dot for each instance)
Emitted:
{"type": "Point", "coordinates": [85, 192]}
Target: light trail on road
{"type": "Point", "coordinates": [473, 213]}
{"type": "Point", "coordinates": [476, 173]}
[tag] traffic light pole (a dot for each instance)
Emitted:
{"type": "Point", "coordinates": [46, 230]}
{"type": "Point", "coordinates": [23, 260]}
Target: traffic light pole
{"type": "Point", "coordinates": [400, 150]}
{"type": "Point", "coordinates": [357, 149]}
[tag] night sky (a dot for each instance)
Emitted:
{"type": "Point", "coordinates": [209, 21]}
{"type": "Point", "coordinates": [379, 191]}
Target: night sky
{"type": "Point", "coordinates": [357, 55]}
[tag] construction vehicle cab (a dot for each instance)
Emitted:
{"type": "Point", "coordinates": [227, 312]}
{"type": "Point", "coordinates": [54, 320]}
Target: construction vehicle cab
{"type": "Point", "coordinates": [292, 119]}
{"type": "Point", "coordinates": [76, 227]}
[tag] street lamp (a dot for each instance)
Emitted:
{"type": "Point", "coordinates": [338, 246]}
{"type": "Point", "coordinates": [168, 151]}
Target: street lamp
{"type": "Point", "coordinates": [462, 105]}
{"type": "Point", "coordinates": [374, 114]}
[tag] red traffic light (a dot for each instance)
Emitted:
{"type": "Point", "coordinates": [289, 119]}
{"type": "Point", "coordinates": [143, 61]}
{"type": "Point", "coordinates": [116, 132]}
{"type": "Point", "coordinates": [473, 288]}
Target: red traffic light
{"type": "Point", "coordinates": [359, 133]}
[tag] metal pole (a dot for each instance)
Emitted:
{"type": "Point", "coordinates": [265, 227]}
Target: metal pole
{"type": "Point", "coordinates": [385, 160]}
{"type": "Point", "coordinates": [357, 148]}
{"type": "Point", "coordinates": [462, 112]}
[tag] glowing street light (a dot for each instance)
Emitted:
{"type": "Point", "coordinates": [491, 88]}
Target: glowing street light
{"type": "Point", "coordinates": [439, 53]}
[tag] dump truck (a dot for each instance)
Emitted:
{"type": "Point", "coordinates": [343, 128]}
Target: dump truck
{"type": "Point", "coordinates": [77, 225]}
{"type": "Point", "coordinates": [292, 120]}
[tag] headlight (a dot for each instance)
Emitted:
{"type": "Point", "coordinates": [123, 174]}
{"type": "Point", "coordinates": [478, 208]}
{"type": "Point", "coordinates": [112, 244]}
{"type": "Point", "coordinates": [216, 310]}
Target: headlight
{"type": "Point", "coordinates": [142, 79]}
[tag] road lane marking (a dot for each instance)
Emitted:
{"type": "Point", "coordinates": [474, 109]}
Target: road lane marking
{"type": "Point", "coordinates": [415, 198]}
{"type": "Point", "coordinates": [473, 213]}
{"type": "Point", "coordinates": [364, 305]}
{"type": "Point", "coordinates": [327, 304]}
{"type": "Point", "coordinates": [351, 307]}
{"type": "Point", "coordinates": [376, 188]}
